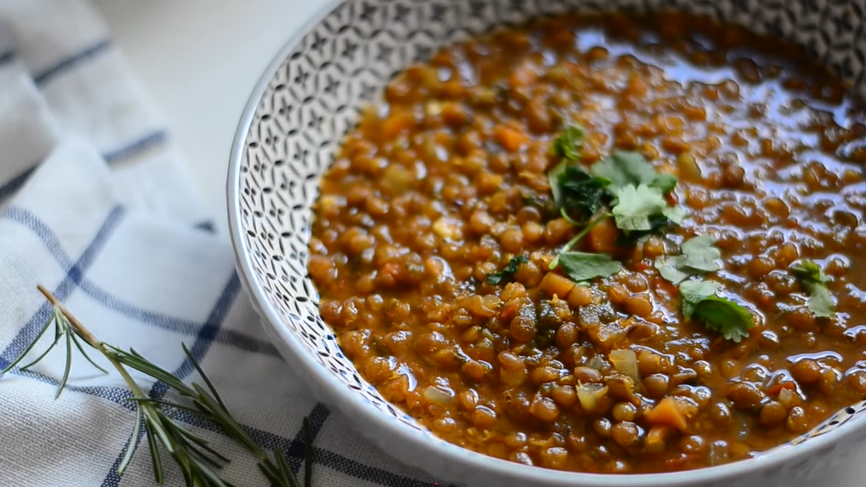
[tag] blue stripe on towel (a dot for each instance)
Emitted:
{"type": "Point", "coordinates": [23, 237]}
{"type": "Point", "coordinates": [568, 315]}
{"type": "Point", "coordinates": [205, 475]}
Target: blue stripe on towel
{"type": "Point", "coordinates": [199, 348]}
{"type": "Point", "coordinates": [265, 439]}
{"type": "Point", "coordinates": [316, 420]}
{"type": "Point", "coordinates": [294, 450]}
{"type": "Point", "coordinates": [14, 184]}
{"type": "Point", "coordinates": [149, 140]}
{"type": "Point", "coordinates": [209, 332]}
{"type": "Point", "coordinates": [187, 327]}
{"type": "Point", "coordinates": [27, 333]}
{"type": "Point", "coordinates": [226, 337]}
{"type": "Point", "coordinates": [6, 56]}
{"type": "Point", "coordinates": [71, 61]}
{"type": "Point", "coordinates": [212, 325]}
{"type": "Point", "coordinates": [31, 221]}
{"type": "Point", "coordinates": [207, 226]}
{"type": "Point", "coordinates": [116, 395]}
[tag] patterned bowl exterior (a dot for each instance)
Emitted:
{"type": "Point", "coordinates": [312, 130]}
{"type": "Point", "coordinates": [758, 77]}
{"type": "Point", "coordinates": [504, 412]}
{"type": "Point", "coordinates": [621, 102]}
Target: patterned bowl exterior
{"type": "Point", "coordinates": [310, 97]}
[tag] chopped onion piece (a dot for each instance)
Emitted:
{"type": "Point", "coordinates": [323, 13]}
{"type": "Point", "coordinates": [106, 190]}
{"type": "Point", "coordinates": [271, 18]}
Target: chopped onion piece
{"type": "Point", "coordinates": [397, 179]}
{"type": "Point", "coordinates": [437, 395]}
{"type": "Point", "coordinates": [590, 394]}
{"type": "Point", "coordinates": [625, 362]}
{"type": "Point", "coordinates": [596, 363]}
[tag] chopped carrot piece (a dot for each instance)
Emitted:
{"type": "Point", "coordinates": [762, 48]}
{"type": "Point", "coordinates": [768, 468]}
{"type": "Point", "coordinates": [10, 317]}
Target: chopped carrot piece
{"type": "Point", "coordinates": [454, 114]}
{"type": "Point", "coordinates": [454, 90]}
{"type": "Point", "coordinates": [523, 76]}
{"type": "Point", "coordinates": [668, 413]}
{"type": "Point", "coordinates": [602, 237]}
{"type": "Point", "coordinates": [777, 388]}
{"type": "Point", "coordinates": [390, 274]}
{"type": "Point", "coordinates": [665, 286]}
{"type": "Point", "coordinates": [397, 123]}
{"type": "Point", "coordinates": [509, 137]}
{"type": "Point", "coordinates": [656, 438]}
{"type": "Point", "coordinates": [508, 311]}
{"type": "Point", "coordinates": [555, 285]}
{"type": "Point", "coordinates": [681, 462]}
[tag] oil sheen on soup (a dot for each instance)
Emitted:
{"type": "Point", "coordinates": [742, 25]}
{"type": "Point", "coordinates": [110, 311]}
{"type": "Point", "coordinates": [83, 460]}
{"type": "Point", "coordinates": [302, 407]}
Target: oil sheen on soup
{"type": "Point", "coordinates": [604, 244]}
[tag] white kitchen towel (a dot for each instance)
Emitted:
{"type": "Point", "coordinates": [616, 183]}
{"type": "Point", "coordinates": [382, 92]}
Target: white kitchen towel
{"type": "Point", "coordinates": [96, 206]}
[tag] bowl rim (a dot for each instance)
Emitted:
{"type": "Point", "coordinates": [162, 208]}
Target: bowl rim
{"type": "Point", "coordinates": [344, 399]}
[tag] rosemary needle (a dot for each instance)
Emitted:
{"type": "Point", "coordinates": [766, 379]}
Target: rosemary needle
{"type": "Point", "coordinates": [197, 460]}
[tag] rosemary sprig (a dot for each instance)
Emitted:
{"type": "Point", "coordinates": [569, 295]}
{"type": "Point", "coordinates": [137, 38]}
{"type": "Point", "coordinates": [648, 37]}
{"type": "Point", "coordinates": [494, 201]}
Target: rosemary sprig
{"type": "Point", "coordinates": [197, 460]}
{"type": "Point", "coordinates": [61, 329]}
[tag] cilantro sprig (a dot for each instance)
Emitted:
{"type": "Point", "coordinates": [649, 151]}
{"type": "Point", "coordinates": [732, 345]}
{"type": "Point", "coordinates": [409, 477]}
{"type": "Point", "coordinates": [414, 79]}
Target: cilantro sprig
{"type": "Point", "coordinates": [700, 298]}
{"type": "Point", "coordinates": [699, 256]}
{"type": "Point", "coordinates": [622, 186]}
{"type": "Point", "coordinates": [701, 302]}
{"type": "Point", "coordinates": [627, 188]}
{"type": "Point", "coordinates": [497, 278]}
{"type": "Point", "coordinates": [813, 279]}
{"type": "Point", "coordinates": [639, 193]}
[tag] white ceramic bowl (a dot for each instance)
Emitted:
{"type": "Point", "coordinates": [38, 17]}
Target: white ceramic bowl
{"type": "Point", "coordinates": [309, 97]}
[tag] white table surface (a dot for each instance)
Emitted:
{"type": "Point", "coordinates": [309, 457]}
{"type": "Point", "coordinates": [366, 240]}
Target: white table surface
{"type": "Point", "coordinates": [199, 60]}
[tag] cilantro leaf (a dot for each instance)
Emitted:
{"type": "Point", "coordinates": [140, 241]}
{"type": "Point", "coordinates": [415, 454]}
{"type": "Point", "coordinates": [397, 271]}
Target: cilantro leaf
{"type": "Point", "coordinates": [582, 266]}
{"type": "Point", "coordinates": [698, 256]}
{"type": "Point", "coordinates": [573, 189]}
{"type": "Point", "coordinates": [642, 210]}
{"type": "Point", "coordinates": [670, 269]}
{"type": "Point", "coordinates": [693, 292]}
{"type": "Point", "coordinates": [724, 316]}
{"type": "Point", "coordinates": [553, 179]}
{"type": "Point", "coordinates": [569, 142]}
{"type": "Point", "coordinates": [821, 302]}
{"type": "Point", "coordinates": [579, 192]}
{"type": "Point", "coordinates": [624, 168]}
{"type": "Point", "coordinates": [675, 214]}
{"type": "Point", "coordinates": [701, 303]}
{"type": "Point", "coordinates": [808, 270]}
{"type": "Point", "coordinates": [658, 223]}
{"type": "Point", "coordinates": [664, 182]}
{"type": "Point", "coordinates": [496, 278]}
{"type": "Point", "coordinates": [634, 206]}
{"type": "Point", "coordinates": [813, 279]}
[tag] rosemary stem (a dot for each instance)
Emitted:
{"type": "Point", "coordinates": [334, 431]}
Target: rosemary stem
{"type": "Point", "coordinates": [94, 342]}
{"type": "Point", "coordinates": [82, 330]}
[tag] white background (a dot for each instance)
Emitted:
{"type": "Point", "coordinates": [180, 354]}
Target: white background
{"type": "Point", "coordinates": [200, 59]}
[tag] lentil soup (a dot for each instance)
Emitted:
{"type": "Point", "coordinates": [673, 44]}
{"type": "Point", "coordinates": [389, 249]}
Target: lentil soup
{"type": "Point", "coordinates": [604, 244]}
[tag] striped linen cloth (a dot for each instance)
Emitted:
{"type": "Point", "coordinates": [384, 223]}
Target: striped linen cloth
{"type": "Point", "coordinates": [96, 206]}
